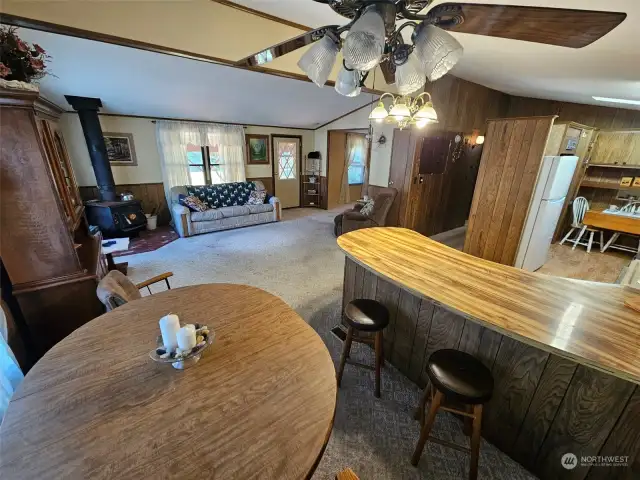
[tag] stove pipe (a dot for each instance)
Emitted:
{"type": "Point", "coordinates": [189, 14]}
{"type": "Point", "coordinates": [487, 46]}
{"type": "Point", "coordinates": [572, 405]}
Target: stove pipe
{"type": "Point", "coordinates": [87, 109]}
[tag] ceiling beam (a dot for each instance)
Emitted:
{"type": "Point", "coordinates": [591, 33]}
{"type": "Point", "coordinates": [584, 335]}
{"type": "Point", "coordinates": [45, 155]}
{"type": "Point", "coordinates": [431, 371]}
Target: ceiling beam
{"type": "Point", "coordinates": [23, 22]}
{"type": "Point", "coordinates": [258, 13]}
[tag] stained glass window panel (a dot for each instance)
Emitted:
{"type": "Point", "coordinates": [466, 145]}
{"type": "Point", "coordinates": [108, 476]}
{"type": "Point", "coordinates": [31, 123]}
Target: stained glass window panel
{"type": "Point", "coordinates": [287, 160]}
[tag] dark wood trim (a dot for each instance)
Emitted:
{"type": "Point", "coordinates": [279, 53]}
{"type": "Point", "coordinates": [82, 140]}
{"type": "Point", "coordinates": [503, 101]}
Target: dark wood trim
{"type": "Point", "coordinates": [349, 113]}
{"type": "Point", "coordinates": [273, 164]}
{"type": "Point", "coordinates": [154, 119]}
{"type": "Point", "coordinates": [40, 25]}
{"type": "Point", "coordinates": [264, 15]}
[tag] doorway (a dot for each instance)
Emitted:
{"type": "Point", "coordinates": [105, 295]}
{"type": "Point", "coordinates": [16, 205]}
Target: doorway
{"type": "Point", "coordinates": [287, 161]}
{"type": "Point", "coordinates": [341, 144]}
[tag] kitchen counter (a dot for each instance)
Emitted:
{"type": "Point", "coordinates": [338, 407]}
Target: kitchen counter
{"type": "Point", "coordinates": [565, 354]}
{"type": "Point", "coordinates": [584, 321]}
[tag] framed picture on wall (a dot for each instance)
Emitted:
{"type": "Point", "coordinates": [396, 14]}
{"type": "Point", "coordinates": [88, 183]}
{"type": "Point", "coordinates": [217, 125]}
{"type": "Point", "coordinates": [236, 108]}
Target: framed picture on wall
{"type": "Point", "coordinates": [258, 150]}
{"type": "Point", "coordinates": [120, 149]}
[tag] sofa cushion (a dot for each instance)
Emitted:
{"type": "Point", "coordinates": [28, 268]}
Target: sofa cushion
{"type": "Point", "coordinates": [193, 203]}
{"type": "Point", "coordinates": [211, 214]}
{"type": "Point", "coordinates": [224, 194]}
{"type": "Point", "coordinates": [235, 211]}
{"type": "Point", "coordinates": [263, 207]}
{"type": "Point", "coordinates": [256, 198]}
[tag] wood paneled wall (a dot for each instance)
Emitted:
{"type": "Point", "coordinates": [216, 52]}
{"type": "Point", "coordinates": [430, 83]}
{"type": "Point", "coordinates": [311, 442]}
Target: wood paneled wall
{"type": "Point", "coordinates": [267, 182]}
{"type": "Point", "coordinates": [441, 202]}
{"type": "Point", "coordinates": [465, 106]}
{"type": "Point", "coordinates": [150, 194]}
{"type": "Point", "coordinates": [509, 168]}
{"type": "Point", "coordinates": [543, 405]}
{"type": "Point", "coordinates": [604, 118]}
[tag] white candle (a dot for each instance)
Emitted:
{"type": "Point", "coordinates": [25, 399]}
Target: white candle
{"type": "Point", "coordinates": [169, 327]}
{"type": "Point", "coordinates": [187, 337]}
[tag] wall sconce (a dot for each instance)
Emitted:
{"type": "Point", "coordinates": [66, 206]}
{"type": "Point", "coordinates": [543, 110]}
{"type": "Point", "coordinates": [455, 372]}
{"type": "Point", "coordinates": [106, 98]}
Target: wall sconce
{"type": "Point", "coordinates": [479, 139]}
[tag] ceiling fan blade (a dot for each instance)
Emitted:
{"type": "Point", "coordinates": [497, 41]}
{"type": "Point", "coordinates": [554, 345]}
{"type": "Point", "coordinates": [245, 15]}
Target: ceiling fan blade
{"type": "Point", "coordinates": [285, 47]}
{"type": "Point", "coordinates": [553, 26]}
{"type": "Point", "coordinates": [389, 71]}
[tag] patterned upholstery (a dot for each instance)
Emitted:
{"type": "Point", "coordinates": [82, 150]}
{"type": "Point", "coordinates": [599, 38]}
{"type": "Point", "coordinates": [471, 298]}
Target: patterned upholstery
{"type": "Point", "coordinates": [189, 223]}
{"type": "Point", "coordinates": [115, 290]}
{"type": "Point", "coordinates": [223, 195]}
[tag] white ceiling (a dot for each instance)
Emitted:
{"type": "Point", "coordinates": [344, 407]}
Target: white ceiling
{"type": "Point", "coordinates": [136, 82]}
{"type": "Point", "coordinates": [610, 67]}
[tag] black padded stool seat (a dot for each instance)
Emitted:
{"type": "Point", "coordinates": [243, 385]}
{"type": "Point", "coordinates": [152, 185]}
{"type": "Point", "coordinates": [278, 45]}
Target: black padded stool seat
{"type": "Point", "coordinates": [366, 315]}
{"type": "Point", "coordinates": [460, 376]}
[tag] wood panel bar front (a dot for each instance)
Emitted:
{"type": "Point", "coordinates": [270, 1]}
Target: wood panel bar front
{"type": "Point", "coordinates": [547, 402]}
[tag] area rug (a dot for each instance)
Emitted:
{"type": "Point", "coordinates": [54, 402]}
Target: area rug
{"type": "Point", "coordinates": [299, 261]}
{"type": "Point", "coordinates": [150, 240]}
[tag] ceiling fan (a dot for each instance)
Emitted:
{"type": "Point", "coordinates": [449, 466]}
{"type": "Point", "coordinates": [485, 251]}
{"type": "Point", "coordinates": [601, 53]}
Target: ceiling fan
{"type": "Point", "coordinates": [372, 38]}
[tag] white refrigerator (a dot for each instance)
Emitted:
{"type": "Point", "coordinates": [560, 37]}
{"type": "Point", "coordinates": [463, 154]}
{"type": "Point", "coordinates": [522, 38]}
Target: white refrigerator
{"type": "Point", "coordinates": [549, 194]}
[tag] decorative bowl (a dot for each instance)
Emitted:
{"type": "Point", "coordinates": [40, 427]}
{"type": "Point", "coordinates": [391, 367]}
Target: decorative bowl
{"type": "Point", "coordinates": [183, 361]}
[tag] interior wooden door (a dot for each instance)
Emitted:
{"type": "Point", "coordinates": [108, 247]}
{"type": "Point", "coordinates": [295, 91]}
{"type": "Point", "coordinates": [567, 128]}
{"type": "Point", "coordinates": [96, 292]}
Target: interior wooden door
{"type": "Point", "coordinates": [402, 152]}
{"type": "Point", "coordinates": [286, 170]}
{"type": "Point", "coordinates": [336, 151]}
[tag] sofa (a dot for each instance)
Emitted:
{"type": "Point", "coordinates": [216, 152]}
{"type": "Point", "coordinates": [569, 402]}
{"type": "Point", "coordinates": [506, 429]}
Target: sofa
{"type": "Point", "coordinates": [353, 219]}
{"type": "Point", "coordinates": [228, 208]}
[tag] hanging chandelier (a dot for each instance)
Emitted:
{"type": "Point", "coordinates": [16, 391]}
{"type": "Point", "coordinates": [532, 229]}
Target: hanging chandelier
{"type": "Point", "coordinates": [405, 111]}
{"type": "Point", "coordinates": [372, 40]}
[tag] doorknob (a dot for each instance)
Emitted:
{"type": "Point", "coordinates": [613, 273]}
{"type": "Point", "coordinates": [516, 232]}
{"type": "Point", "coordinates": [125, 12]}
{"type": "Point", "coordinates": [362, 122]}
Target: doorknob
{"type": "Point", "coordinates": [390, 182]}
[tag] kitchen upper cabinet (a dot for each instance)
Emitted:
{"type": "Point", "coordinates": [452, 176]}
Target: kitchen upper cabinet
{"type": "Point", "coordinates": [617, 148]}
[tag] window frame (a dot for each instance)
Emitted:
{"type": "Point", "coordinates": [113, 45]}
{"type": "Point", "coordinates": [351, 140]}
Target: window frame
{"type": "Point", "coordinates": [206, 164]}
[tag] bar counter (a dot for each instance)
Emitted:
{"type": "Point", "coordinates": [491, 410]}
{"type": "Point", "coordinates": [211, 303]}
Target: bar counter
{"type": "Point", "coordinates": [565, 354]}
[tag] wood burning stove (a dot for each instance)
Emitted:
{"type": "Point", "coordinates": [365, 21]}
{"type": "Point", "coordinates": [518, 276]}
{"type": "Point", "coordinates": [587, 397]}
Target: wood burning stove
{"type": "Point", "coordinates": [115, 218]}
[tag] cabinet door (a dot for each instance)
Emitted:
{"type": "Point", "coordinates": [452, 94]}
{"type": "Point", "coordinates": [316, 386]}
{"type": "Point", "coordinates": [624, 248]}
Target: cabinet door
{"type": "Point", "coordinates": [62, 173]}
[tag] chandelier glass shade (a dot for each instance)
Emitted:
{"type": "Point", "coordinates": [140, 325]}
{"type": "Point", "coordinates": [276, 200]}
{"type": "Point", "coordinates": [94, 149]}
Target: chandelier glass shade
{"type": "Point", "coordinates": [364, 46]}
{"type": "Point", "coordinates": [406, 111]}
{"type": "Point", "coordinates": [318, 61]}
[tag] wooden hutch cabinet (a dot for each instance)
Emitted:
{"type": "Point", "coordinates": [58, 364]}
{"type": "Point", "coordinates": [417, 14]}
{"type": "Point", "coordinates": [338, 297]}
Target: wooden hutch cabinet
{"type": "Point", "coordinates": [54, 264]}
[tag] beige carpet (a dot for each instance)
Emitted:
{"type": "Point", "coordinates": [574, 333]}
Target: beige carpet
{"type": "Point", "coordinates": [297, 259]}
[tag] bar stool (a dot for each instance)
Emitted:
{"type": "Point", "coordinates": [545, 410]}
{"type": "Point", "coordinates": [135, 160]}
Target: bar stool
{"type": "Point", "coordinates": [364, 315]}
{"type": "Point", "coordinates": [462, 378]}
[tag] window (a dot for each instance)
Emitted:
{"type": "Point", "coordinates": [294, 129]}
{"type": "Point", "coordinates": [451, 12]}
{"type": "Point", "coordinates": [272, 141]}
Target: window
{"type": "Point", "coordinates": [356, 149]}
{"type": "Point", "coordinates": [205, 165]}
{"type": "Point", "coordinates": [287, 160]}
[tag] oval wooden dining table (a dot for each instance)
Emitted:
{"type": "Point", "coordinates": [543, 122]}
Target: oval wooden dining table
{"type": "Point", "coordinates": [259, 404]}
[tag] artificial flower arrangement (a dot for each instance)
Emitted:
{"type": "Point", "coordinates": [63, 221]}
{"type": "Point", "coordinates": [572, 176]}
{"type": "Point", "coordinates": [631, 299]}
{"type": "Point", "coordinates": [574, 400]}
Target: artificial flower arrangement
{"type": "Point", "coordinates": [18, 59]}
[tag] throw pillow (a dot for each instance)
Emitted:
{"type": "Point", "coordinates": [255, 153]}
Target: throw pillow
{"type": "Point", "coordinates": [367, 210]}
{"type": "Point", "coordinates": [256, 198]}
{"type": "Point", "coordinates": [267, 198]}
{"type": "Point", "coordinates": [193, 203]}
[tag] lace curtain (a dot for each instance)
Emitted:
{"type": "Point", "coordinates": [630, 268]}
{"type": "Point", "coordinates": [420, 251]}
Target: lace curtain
{"type": "Point", "coordinates": [174, 137]}
{"type": "Point", "coordinates": [356, 146]}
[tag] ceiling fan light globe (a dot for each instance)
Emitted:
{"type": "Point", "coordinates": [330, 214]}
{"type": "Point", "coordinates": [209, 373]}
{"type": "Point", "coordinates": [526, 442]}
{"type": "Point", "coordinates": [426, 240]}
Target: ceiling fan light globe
{"type": "Point", "coordinates": [422, 123]}
{"type": "Point", "coordinates": [410, 76]}
{"type": "Point", "coordinates": [364, 45]}
{"type": "Point", "coordinates": [437, 50]}
{"type": "Point", "coordinates": [318, 61]}
{"type": "Point", "coordinates": [379, 113]}
{"type": "Point", "coordinates": [348, 83]}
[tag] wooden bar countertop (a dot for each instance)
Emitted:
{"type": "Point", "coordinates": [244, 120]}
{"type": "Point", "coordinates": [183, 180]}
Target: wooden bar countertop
{"type": "Point", "coordinates": [584, 321]}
